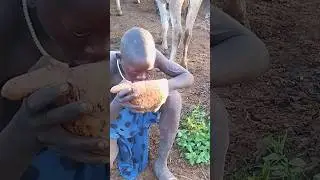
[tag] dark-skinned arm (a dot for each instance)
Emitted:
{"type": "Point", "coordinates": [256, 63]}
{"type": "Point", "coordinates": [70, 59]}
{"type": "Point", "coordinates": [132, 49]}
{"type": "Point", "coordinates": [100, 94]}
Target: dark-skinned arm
{"type": "Point", "coordinates": [181, 78]}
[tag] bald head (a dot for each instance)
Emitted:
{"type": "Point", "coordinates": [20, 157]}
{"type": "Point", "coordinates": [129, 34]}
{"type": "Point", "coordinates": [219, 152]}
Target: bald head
{"type": "Point", "coordinates": [137, 47]}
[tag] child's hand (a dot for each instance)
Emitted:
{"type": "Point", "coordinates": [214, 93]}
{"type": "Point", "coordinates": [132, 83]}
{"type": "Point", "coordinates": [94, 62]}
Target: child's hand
{"type": "Point", "coordinates": [38, 123]}
{"type": "Point", "coordinates": [152, 94]}
{"type": "Point", "coordinates": [37, 126]}
{"type": "Point", "coordinates": [124, 97]}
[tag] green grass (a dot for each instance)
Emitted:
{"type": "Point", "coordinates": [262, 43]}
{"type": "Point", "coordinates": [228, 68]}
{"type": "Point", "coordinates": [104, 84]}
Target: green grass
{"type": "Point", "coordinates": [193, 137]}
{"type": "Point", "coordinates": [274, 164]}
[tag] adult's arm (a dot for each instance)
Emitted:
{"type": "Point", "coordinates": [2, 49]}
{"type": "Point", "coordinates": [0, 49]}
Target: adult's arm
{"type": "Point", "coordinates": [237, 54]}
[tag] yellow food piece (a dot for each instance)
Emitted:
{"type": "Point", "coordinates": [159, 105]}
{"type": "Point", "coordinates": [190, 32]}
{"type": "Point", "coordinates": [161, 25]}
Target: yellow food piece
{"type": "Point", "coordinates": [149, 93]}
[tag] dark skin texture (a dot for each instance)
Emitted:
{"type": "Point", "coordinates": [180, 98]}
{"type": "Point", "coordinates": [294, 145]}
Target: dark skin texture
{"type": "Point", "coordinates": [138, 56]}
{"type": "Point", "coordinates": [237, 55]}
{"type": "Point", "coordinates": [70, 31]}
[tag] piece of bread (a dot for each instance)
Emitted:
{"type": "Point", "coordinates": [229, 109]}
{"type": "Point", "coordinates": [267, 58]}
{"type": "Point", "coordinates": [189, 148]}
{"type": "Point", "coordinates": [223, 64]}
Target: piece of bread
{"type": "Point", "coordinates": [89, 83]}
{"type": "Point", "coordinates": [149, 93]}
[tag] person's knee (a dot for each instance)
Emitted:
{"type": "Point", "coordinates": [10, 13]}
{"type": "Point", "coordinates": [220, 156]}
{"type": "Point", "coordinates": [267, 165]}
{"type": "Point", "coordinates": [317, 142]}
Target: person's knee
{"type": "Point", "coordinates": [174, 101]}
{"type": "Point", "coordinates": [262, 59]}
{"type": "Point", "coordinates": [172, 106]}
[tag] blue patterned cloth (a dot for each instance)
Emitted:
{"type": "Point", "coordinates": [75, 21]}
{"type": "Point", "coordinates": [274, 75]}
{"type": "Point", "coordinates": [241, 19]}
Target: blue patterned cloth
{"type": "Point", "coordinates": [132, 133]}
{"type": "Point", "coordinates": [48, 165]}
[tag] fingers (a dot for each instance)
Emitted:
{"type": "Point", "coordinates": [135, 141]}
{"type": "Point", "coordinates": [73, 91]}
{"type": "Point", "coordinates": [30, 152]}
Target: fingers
{"type": "Point", "coordinates": [120, 87]}
{"type": "Point", "coordinates": [45, 96]}
{"type": "Point", "coordinates": [63, 114]}
{"type": "Point", "coordinates": [127, 98]}
{"type": "Point", "coordinates": [124, 92]}
{"type": "Point", "coordinates": [61, 138]}
{"type": "Point", "coordinates": [133, 107]}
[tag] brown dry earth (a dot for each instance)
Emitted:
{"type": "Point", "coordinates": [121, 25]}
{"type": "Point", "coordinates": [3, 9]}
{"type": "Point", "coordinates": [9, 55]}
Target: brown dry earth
{"type": "Point", "coordinates": [287, 97]}
{"type": "Point", "coordinates": [144, 15]}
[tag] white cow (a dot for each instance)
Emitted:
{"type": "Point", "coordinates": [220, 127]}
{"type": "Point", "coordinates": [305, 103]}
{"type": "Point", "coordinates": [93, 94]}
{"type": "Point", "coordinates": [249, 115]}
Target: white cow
{"type": "Point", "coordinates": [174, 15]}
{"type": "Point", "coordinates": [119, 11]}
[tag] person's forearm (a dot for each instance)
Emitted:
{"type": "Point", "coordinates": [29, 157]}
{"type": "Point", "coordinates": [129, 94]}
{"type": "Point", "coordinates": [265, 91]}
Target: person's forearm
{"type": "Point", "coordinates": [184, 80]}
{"type": "Point", "coordinates": [15, 153]}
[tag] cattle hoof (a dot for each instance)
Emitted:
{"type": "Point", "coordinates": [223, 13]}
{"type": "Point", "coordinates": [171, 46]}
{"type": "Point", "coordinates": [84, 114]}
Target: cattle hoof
{"type": "Point", "coordinates": [119, 13]}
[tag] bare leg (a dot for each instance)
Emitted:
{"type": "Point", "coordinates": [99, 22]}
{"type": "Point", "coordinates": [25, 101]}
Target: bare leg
{"type": "Point", "coordinates": [249, 57]}
{"type": "Point", "coordinates": [119, 8]}
{"type": "Point", "coordinates": [191, 18]}
{"type": "Point", "coordinates": [175, 17]}
{"type": "Point", "coordinates": [220, 135]}
{"type": "Point", "coordinates": [114, 150]}
{"type": "Point", "coordinates": [164, 15]}
{"type": "Point", "coordinates": [169, 123]}
{"type": "Point", "coordinates": [237, 55]}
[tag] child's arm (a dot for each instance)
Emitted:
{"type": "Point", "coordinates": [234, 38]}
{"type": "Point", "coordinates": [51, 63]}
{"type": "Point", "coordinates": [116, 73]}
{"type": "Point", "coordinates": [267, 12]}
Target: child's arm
{"type": "Point", "coordinates": [181, 78]}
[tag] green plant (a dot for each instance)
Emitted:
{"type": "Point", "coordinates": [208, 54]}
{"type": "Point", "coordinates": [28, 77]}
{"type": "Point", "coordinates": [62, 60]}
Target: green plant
{"type": "Point", "coordinates": [193, 137]}
{"type": "Point", "coordinates": [275, 164]}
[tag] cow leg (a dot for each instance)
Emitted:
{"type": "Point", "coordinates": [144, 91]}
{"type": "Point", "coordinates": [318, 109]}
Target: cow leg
{"type": "Point", "coordinates": [192, 13]}
{"type": "Point", "coordinates": [119, 11]}
{"type": "Point", "coordinates": [175, 7]}
{"type": "Point", "coordinates": [164, 22]}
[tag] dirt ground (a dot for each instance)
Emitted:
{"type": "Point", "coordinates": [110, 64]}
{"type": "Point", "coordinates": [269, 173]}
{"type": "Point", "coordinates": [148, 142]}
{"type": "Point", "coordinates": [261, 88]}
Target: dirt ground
{"type": "Point", "coordinates": [287, 97]}
{"type": "Point", "coordinates": [144, 15]}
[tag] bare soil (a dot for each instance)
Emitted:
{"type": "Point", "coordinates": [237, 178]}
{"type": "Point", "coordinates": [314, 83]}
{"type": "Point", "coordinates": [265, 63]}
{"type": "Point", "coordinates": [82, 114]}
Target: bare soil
{"type": "Point", "coordinates": [287, 97]}
{"type": "Point", "coordinates": [144, 15]}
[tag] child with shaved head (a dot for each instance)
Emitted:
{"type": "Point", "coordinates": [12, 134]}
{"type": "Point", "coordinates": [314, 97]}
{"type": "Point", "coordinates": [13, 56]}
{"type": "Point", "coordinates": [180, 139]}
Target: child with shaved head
{"type": "Point", "coordinates": [129, 129]}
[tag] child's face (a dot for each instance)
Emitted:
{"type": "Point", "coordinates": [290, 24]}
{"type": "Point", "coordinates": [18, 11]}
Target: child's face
{"type": "Point", "coordinates": [136, 71]}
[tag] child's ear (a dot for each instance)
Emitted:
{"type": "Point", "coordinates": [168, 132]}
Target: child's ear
{"type": "Point", "coordinates": [123, 85]}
